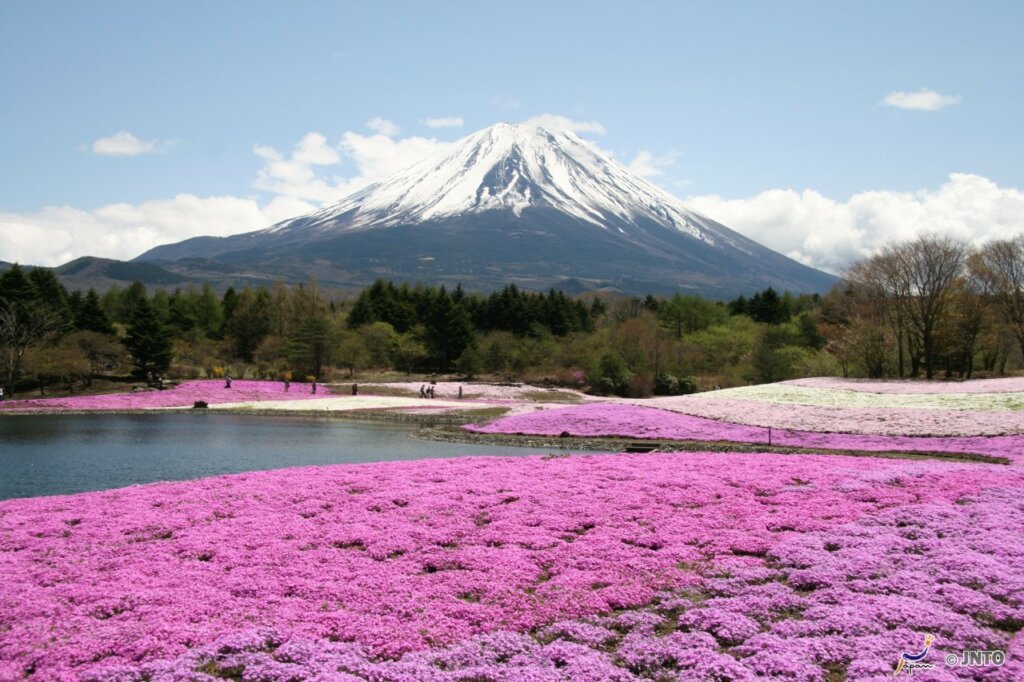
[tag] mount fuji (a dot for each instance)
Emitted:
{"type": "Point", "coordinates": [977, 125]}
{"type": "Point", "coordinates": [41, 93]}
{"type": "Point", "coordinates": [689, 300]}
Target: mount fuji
{"type": "Point", "coordinates": [508, 204]}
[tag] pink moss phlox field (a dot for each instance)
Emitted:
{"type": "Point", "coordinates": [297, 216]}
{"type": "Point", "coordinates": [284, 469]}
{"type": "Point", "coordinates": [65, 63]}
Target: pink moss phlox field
{"type": "Point", "coordinates": [912, 386]}
{"type": "Point", "coordinates": [611, 567]}
{"type": "Point", "coordinates": [628, 421]}
{"type": "Point", "coordinates": [887, 421]}
{"type": "Point", "coordinates": [182, 395]}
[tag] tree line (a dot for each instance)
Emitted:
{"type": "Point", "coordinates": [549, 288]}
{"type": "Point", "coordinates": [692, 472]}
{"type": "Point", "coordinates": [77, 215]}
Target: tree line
{"type": "Point", "coordinates": [609, 343]}
{"type": "Point", "coordinates": [928, 307]}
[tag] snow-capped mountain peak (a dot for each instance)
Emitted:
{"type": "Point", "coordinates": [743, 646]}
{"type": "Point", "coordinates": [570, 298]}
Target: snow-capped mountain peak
{"type": "Point", "coordinates": [514, 167]}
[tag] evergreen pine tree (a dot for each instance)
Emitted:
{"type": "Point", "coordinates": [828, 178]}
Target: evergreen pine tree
{"type": "Point", "coordinates": [91, 316]}
{"type": "Point", "coordinates": [228, 304]}
{"type": "Point", "coordinates": [147, 340]}
{"type": "Point", "coordinates": [51, 293]}
{"type": "Point", "coordinates": [16, 287]}
{"type": "Point", "coordinates": [130, 299]}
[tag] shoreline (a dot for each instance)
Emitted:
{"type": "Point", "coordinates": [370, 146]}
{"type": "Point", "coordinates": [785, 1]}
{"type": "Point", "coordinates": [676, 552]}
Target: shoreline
{"type": "Point", "coordinates": [617, 444]}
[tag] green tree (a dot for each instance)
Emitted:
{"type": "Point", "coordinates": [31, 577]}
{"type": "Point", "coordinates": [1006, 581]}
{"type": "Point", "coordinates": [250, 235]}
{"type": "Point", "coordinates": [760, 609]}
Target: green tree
{"type": "Point", "coordinates": [409, 353]}
{"type": "Point", "coordinates": [449, 331]}
{"type": "Point", "coordinates": [90, 315]}
{"type": "Point", "coordinates": [774, 358]}
{"type": "Point", "coordinates": [470, 362]}
{"type": "Point", "coordinates": [688, 314]}
{"type": "Point", "coordinates": [612, 375]}
{"type": "Point", "coordinates": [809, 335]}
{"type": "Point", "coordinates": [148, 341]}
{"type": "Point", "coordinates": [768, 307]}
{"type": "Point", "coordinates": [249, 322]}
{"type": "Point", "coordinates": [381, 342]}
{"type": "Point", "coordinates": [130, 298]}
{"type": "Point", "coordinates": [351, 351]}
{"type": "Point", "coordinates": [16, 287]}
{"type": "Point", "coordinates": [311, 345]}
{"type": "Point", "coordinates": [228, 303]}
{"type": "Point", "coordinates": [51, 293]}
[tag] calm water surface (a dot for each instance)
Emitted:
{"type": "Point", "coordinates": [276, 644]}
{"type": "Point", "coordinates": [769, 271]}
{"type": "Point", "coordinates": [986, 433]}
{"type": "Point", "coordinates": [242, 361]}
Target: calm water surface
{"type": "Point", "coordinates": [58, 454]}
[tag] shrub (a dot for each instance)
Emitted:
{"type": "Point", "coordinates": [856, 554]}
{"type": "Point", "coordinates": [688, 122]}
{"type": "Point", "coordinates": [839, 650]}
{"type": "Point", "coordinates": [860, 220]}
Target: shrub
{"type": "Point", "coordinates": [687, 385]}
{"type": "Point", "coordinates": [665, 384]}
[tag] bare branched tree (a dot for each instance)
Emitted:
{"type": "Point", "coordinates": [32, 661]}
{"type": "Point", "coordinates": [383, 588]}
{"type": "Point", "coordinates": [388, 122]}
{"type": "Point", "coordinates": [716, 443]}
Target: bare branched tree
{"type": "Point", "coordinates": [884, 289]}
{"type": "Point", "coordinates": [1000, 266]}
{"type": "Point", "coordinates": [929, 265]}
{"type": "Point", "coordinates": [23, 325]}
{"type": "Point", "coordinates": [909, 284]}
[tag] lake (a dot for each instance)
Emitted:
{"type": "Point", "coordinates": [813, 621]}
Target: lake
{"type": "Point", "coordinates": [60, 454]}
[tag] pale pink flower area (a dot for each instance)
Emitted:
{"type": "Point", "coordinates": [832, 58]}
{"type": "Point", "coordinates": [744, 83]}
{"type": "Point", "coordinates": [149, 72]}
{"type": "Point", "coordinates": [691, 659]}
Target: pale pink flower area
{"type": "Point", "coordinates": [887, 421]}
{"type": "Point", "coordinates": [184, 394]}
{"type": "Point", "coordinates": [629, 421]}
{"type": "Point", "coordinates": [687, 566]}
{"type": "Point", "coordinates": [913, 386]}
{"type": "Point", "coordinates": [482, 391]}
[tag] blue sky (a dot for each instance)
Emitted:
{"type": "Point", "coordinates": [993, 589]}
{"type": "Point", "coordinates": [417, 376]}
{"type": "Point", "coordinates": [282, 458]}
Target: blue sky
{"type": "Point", "coordinates": [727, 104]}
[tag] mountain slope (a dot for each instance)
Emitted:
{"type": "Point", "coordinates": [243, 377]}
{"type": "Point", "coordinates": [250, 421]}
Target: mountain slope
{"type": "Point", "coordinates": [511, 203]}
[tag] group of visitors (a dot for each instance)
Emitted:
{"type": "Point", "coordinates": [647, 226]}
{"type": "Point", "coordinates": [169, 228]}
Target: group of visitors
{"type": "Point", "coordinates": [428, 391]}
{"type": "Point", "coordinates": [154, 380]}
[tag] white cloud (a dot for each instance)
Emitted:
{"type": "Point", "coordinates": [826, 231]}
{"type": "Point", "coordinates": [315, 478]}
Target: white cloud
{"type": "Point", "coordinates": [921, 100]}
{"type": "Point", "coordinates": [123, 143]}
{"type": "Point", "coordinates": [647, 165]}
{"type": "Point", "coordinates": [374, 158]}
{"type": "Point", "coordinates": [295, 176]}
{"type": "Point", "coordinates": [383, 126]}
{"type": "Point", "coordinates": [830, 234]}
{"type": "Point", "coordinates": [58, 234]}
{"type": "Point", "coordinates": [378, 156]}
{"type": "Point", "coordinates": [557, 122]}
{"type": "Point", "coordinates": [444, 122]}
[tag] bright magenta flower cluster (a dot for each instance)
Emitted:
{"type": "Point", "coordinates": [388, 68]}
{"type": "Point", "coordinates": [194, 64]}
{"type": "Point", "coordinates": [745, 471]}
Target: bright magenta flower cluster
{"type": "Point", "coordinates": [183, 395]}
{"type": "Point", "coordinates": [701, 566]}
